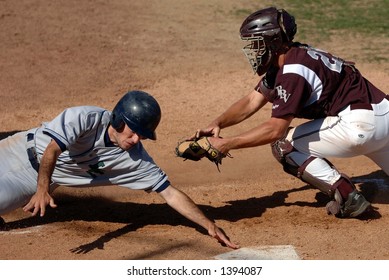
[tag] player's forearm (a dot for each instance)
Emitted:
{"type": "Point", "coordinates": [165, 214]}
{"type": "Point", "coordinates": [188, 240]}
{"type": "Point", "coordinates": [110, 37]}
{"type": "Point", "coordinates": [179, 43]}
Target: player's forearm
{"type": "Point", "coordinates": [47, 165]}
{"type": "Point", "coordinates": [241, 110]}
{"type": "Point", "coordinates": [44, 176]}
{"type": "Point", "coordinates": [266, 133]}
{"type": "Point", "coordinates": [185, 206]}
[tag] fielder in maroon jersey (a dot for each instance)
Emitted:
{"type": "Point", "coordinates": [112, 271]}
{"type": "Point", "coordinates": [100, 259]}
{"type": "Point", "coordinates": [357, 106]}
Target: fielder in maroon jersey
{"type": "Point", "coordinates": [348, 116]}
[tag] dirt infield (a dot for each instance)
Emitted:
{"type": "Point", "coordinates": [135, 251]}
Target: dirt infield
{"type": "Point", "coordinates": [56, 54]}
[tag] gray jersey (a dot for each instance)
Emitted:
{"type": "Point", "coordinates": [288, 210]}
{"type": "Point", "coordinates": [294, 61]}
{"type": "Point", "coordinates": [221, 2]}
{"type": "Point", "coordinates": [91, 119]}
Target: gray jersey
{"type": "Point", "coordinates": [90, 159]}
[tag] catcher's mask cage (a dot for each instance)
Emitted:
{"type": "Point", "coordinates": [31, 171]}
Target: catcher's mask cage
{"type": "Point", "coordinates": [266, 30]}
{"type": "Point", "coordinates": [139, 111]}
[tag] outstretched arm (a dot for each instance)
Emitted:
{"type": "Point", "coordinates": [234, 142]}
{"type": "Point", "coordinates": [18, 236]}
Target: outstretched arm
{"type": "Point", "coordinates": [42, 198]}
{"type": "Point", "coordinates": [186, 207]}
{"type": "Point", "coordinates": [236, 113]}
{"type": "Point", "coordinates": [265, 133]}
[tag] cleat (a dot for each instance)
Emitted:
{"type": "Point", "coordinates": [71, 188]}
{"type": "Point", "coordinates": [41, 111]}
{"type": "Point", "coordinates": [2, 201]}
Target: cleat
{"type": "Point", "coordinates": [355, 205]}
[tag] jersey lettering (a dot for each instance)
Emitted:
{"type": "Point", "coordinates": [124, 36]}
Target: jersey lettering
{"type": "Point", "coordinates": [331, 62]}
{"type": "Point", "coordinates": [282, 94]}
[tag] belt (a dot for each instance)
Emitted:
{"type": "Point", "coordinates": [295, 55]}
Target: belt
{"type": "Point", "coordinates": [365, 106]}
{"type": "Point", "coordinates": [31, 152]}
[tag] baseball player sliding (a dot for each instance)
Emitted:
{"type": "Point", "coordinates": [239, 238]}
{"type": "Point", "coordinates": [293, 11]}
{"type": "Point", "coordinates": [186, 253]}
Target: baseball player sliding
{"type": "Point", "coordinates": [348, 115]}
{"type": "Point", "coordinates": [90, 146]}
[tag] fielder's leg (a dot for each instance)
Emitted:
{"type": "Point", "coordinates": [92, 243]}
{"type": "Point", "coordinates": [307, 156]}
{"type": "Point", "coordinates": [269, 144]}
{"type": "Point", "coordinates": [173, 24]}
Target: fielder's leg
{"type": "Point", "coordinates": [346, 201]}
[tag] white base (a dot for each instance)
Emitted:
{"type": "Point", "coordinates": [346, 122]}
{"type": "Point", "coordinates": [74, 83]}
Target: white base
{"type": "Point", "coordinates": [281, 252]}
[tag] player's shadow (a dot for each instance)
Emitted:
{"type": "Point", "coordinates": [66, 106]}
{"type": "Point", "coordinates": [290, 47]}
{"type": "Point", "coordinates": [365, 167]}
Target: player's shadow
{"type": "Point", "coordinates": [137, 215]}
{"type": "Point", "coordinates": [374, 186]}
{"type": "Point", "coordinates": [5, 134]}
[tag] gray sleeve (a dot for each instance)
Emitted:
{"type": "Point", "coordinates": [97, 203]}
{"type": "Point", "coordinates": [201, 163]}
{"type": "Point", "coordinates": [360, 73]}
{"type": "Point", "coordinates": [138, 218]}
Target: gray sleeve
{"type": "Point", "coordinates": [72, 124]}
{"type": "Point", "coordinates": [142, 172]}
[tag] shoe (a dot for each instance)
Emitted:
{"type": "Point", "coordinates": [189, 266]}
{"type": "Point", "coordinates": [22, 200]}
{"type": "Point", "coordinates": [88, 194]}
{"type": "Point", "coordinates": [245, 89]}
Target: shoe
{"type": "Point", "coordinates": [354, 206]}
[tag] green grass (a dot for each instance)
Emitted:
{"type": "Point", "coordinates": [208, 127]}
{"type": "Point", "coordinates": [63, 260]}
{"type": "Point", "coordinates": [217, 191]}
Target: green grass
{"type": "Point", "coordinates": [363, 19]}
{"type": "Point", "coordinates": [358, 16]}
{"type": "Point", "coordinates": [360, 22]}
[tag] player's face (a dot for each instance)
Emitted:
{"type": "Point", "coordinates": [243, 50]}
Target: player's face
{"type": "Point", "coordinates": [126, 138]}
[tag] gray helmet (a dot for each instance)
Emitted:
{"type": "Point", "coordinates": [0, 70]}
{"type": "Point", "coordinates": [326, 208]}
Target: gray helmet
{"type": "Point", "coordinates": [267, 31]}
{"type": "Point", "coordinates": [139, 111]}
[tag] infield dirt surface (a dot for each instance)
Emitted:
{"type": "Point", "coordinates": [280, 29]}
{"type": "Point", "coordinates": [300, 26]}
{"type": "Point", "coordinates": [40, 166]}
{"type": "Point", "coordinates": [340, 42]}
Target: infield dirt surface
{"type": "Point", "coordinates": [57, 54]}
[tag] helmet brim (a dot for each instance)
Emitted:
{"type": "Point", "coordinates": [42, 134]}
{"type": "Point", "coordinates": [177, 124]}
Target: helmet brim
{"type": "Point", "coordinates": [146, 133]}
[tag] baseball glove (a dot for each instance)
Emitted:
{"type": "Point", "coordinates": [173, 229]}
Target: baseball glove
{"type": "Point", "coordinates": [199, 148]}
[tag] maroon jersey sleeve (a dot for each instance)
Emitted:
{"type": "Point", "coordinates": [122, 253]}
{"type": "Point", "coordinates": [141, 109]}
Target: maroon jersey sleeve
{"type": "Point", "coordinates": [291, 94]}
{"type": "Point", "coordinates": [314, 84]}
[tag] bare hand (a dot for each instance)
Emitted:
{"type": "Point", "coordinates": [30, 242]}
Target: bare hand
{"type": "Point", "coordinates": [211, 130]}
{"type": "Point", "coordinates": [38, 202]}
{"type": "Point", "coordinates": [219, 234]}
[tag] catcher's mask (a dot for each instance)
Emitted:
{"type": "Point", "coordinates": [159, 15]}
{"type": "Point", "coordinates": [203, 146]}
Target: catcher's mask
{"type": "Point", "coordinates": [267, 31]}
{"type": "Point", "coordinates": [139, 111]}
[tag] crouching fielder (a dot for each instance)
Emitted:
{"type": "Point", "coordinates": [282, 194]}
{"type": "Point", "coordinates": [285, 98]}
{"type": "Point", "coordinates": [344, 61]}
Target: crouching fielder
{"type": "Point", "coordinates": [348, 116]}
